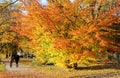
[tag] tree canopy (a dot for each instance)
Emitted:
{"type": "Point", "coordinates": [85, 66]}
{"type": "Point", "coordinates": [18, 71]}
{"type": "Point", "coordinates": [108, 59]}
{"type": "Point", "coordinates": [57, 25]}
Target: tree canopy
{"type": "Point", "coordinates": [62, 30]}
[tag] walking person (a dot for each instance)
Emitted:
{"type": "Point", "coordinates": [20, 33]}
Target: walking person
{"type": "Point", "coordinates": [16, 59]}
{"type": "Point", "coordinates": [14, 56]}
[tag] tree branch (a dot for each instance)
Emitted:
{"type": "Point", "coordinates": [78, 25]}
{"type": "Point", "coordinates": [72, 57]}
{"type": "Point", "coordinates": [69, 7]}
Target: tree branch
{"type": "Point", "coordinates": [8, 5]}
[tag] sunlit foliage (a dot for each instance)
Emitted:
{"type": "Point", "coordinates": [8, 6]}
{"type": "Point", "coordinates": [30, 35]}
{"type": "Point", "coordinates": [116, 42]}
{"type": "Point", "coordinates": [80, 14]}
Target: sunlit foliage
{"type": "Point", "coordinates": [63, 31]}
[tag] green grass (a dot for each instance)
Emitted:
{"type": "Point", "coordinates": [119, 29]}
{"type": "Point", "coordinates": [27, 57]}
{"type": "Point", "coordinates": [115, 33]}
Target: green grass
{"type": "Point", "coordinates": [2, 67]}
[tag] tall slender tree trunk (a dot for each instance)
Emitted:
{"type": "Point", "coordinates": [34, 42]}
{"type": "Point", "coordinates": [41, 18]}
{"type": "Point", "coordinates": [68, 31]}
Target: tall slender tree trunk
{"type": "Point", "coordinates": [118, 57]}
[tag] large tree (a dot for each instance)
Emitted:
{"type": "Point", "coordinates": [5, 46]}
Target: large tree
{"type": "Point", "coordinates": [77, 31]}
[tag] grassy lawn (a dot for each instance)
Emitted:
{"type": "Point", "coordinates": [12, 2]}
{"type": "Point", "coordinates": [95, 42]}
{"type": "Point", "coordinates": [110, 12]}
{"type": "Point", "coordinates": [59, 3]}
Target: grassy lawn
{"type": "Point", "coordinates": [2, 67]}
{"type": "Point", "coordinates": [59, 72]}
{"type": "Point", "coordinates": [52, 71]}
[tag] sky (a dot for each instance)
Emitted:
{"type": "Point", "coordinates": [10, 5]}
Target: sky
{"type": "Point", "coordinates": [43, 2]}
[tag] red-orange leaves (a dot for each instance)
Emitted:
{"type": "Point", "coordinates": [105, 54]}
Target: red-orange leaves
{"type": "Point", "coordinates": [66, 43]}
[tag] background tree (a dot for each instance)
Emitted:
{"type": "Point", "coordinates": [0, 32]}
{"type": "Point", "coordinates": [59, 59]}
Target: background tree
{"type": "Point", "coordinates": [7, 35]}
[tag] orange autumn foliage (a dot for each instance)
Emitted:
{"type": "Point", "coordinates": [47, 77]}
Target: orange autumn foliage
{"type": "Point", "coordinates": [74, 26]}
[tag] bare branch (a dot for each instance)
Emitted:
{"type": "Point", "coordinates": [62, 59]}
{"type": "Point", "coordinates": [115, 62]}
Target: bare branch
{"type": "Point", "coordinates": [8, 5]}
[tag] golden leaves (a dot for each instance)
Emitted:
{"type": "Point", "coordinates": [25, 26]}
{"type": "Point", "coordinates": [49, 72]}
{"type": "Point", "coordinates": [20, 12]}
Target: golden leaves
{"type": "Point", "coordinates": [68, 27]}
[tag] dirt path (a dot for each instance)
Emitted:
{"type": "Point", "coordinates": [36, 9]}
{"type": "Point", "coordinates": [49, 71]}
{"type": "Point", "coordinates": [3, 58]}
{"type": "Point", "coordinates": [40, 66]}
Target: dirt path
{"type": "Point", "coordinates": [23, 71]}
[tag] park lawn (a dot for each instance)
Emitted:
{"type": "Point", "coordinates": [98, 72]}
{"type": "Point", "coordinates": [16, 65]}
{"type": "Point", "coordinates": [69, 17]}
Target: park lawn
{"type": "Point", "coordinates": [2, 67]}
{"type": "Point", "coordinates": [60, 72]}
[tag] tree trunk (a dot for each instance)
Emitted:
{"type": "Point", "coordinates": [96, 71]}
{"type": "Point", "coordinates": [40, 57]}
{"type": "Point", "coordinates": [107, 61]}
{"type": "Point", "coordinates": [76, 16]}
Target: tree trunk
{"type": "Point", "coordinates": [118, 57]}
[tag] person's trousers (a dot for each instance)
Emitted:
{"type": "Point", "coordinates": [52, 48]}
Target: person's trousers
{"type": "Point", "coordinates": [12, 60]}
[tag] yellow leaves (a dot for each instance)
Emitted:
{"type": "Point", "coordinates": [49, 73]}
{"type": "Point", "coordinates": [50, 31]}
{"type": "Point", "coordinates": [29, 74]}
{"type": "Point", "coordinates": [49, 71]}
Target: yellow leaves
{"type": "Point", "coordinates": [7, 37]}
{"type": "Point", "coordinates": [86, 60]}
{"type": "Point", "coordinates": [63, 30]}
{"type": "Point", "coordinates": [89, 1]}
{"type": "Point", "coordinates": [60, 62]}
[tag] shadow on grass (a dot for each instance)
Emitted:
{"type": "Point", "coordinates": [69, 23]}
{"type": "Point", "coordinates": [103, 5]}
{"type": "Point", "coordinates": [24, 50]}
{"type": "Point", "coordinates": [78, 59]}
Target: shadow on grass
{"type": "Point", "coordinates": [103, 66]}
{"type": "Point", "coordinates": [112, 74]}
